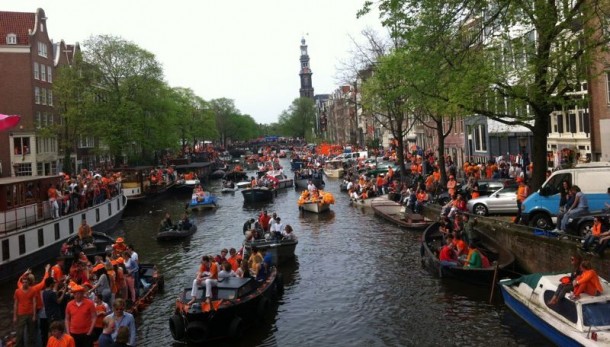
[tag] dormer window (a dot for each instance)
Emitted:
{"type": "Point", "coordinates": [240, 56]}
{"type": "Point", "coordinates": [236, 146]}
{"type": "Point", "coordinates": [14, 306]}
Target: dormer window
{"type": "Point", "coordinates": [11, 39]}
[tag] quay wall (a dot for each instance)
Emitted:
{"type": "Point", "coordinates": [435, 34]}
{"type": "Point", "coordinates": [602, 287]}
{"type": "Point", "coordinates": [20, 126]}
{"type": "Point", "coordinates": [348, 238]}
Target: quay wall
{"type": "Point", "coordinates": [533, 253]}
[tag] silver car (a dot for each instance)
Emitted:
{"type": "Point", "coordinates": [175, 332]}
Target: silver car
{"type": "Point", "coordinates": [501, 201]}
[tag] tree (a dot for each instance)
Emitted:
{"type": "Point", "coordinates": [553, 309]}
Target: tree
{"type": "Point", "coordinates": [223, 110]}
{"type": "Point", "coordinates": [129, 84]}
{"type": "Point", "coordinates": [195, 121]}
{"type": "Point", "coordinates": [525, 56]}
{"type": "Point", "coordinates": [299, 119]}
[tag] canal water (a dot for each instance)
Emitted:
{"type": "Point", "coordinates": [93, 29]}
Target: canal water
{"type": "Point", "coordinates": [356, 281]}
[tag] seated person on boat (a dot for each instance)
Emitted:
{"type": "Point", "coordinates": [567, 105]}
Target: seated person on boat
{"type": "Point", "coordinates": [288, 233]}
{"type": "Point", "coordinates": [184, 223]}
{"type": "Point", "coordinates": [167, 223]}
{"type": "Point", "coordinates": [588, 282]}
{"type": "Point", "coordinates": [85, 233]}
{"type": "Point", "coordinates": [567, 282]}
{"type": "Point", "coordinates": [206, 275]}
{"type": "Point", "coordinates": [448, 255]}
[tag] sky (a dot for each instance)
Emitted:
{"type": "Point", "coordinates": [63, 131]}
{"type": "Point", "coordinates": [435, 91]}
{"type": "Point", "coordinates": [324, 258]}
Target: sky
{"type": "Point", "coordinates": [243, 50]}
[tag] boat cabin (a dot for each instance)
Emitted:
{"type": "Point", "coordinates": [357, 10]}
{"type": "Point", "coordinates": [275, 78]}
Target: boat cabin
{"type": "Point", "coordinates": [228, 288]}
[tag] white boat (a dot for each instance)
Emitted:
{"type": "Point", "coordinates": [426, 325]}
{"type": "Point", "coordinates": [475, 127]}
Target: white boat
{"type": "Point", "coordinates": [334, 169]}
{"type": "Point", "coordinates": [29, 235]}
{"type": "Point", "coordinates": [315, 207]}
{"type": "Point", "coordinates": [243, 184]}
{"type": "Point", "coordinates": [282, 180]}
{"type": "Point", "coordinates": [582, 322]}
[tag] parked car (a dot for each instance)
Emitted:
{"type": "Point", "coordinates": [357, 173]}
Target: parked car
{"type": "Point", "coordinates": [581, 225]}
{"type": "Point", "coordinates": [486, 188]}
{"type": "Point", "coordinates": [502, 201]}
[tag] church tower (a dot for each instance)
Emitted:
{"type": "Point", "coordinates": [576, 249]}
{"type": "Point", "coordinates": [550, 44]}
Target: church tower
{"type": "Point", "coordinates": [306, 90]}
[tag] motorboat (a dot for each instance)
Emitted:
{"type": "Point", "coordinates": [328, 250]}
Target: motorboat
{"type": "Point", "coordinates": [258, 194]}
{"type": "Point", "coordinates": [177, 232]}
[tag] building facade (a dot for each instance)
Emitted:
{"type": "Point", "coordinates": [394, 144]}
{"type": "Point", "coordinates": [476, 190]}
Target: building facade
{"type": "Point", "coordinates": [27, 67]}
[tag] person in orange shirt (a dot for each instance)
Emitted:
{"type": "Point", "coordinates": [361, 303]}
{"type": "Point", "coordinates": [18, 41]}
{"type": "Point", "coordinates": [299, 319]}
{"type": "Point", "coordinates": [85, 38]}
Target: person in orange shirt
{"type": "Point", "coordinates": [588, 282]}
{"type": "Point", "coordinates": [207, 269]}
{"type": "Point", "coordinates": [53, 196]}
{"type": "Point", "coordinates": [451, 185]}
{"type": "Point", "coordinates": [522, 193]}
{"type": "Point", "coordinates": [233, 259]}
{"type": "Point", "coordinates": [58, 336]}
{"type": "Point", "coordinates": [102, 310]}
{"type": "Point", "coordinates": [85, 233]}
{"type": "Point", "coordinates": [24, 312]}
{"type": "Point", "coordinates": [57, 270]}
{"type": "Point", "coordinates": [422, 199]}
{"type": "Point", "coordinates": [596, 231]}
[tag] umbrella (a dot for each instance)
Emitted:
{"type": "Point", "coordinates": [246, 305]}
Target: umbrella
{"type": "Point", "coordinates": [7, 122]}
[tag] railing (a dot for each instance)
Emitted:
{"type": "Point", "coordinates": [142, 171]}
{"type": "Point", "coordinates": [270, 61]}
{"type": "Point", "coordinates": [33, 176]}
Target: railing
{"type": "Point", "coordinates": [25, 216]}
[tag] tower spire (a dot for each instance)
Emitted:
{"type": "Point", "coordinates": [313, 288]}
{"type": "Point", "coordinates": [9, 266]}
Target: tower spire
{"type": "Point", "coordinates": [306, 90]}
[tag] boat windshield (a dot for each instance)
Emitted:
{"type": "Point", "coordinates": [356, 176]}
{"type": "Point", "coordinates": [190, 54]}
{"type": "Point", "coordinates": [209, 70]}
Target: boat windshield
{"type": "Point", "coordinates": [596, 314]}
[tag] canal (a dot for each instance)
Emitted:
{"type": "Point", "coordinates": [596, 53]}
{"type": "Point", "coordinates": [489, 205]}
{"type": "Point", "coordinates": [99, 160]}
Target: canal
{"type": "Point", "coordinates": [356, 281]}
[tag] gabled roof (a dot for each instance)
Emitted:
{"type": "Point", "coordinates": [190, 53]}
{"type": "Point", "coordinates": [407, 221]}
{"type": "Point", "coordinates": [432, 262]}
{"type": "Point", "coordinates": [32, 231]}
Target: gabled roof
{"type": "Point", "coordinates": [19, 23]}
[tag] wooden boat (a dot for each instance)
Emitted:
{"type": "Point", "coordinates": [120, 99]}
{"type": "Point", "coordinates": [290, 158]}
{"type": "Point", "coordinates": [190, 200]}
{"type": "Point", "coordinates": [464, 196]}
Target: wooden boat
{"type": "Point", "coordinates": [151, 283]}
{"type": "Point", "coordinates": [497, 255]}
{"type": "Point", "coordinates": [101, 245]}
{"type": "Point", "coordinates": [238, 303]}
{"type": "Point", "coordinates": [280, 180]}
{"type": "Point", "coordinates": [29, 235]}
{"type": "Point", "coordinates": [582, 322]}
{"type": "Point", "coordinates": [281, 250]}
{"type": "Point", "coordinates": [176, 233]}
{"type": "Point", "coordinates": [301, 180]}
{"type": "Point", "coordinates": [315, 207]}
{"type": "Point", "coordinates": [236, 176]}
{"type": "Point", "coordinates": [258, 194]}
{"type": "Point", "coordinates": [189, 174]}
{"type": "Point", "coordinates": [209, 201]}
{"type": "Point", "coordinates": [334, 169]}
{"type": "Point", "coordinates": [394, 212]}
{"type": "Point", "coordinates": [137, 184]}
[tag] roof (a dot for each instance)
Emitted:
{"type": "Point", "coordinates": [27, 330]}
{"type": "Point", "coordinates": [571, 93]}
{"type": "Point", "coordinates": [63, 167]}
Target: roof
{"type": "Point", "coordinates": [19, 23]}
{"type": "Point", "coordinates": [19, 179]}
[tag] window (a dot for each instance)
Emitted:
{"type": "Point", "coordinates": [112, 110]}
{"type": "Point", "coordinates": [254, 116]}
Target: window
{"type": "Point", "coordinates": [572, 122]}
{"type": "Point", "coordinates": [40, 237]}
{"type": "Point", "coordinates": [49, 74]}
{"type": "Point", "coordinates": [480, 138]}
{"type": "Point", "coordinates": [38, 119]}
{"type": "Point", "coordinates": [36, 71]}
{"type": "Point", "coordinates": [6, 251]}
{"type": "Point", "coordinates": [51, 118]}
{"type": "Point", "coordinates": [50, 97]}
{"type": "Point", "coordinates": [43, 72]}
{"type": "Point", "coordinates": [11, 39]}
{"type": "Point", "coordinates": [86, 142]}
{"type": "Point", "coordinates": [583, 120]}
{"type": "Point", "coordinates": [42, 49]}
{"type": "Point", "coordinates": [39, 167]}
{"type": "Point", "coordinates": [71, 225]}
{"type": "Point", "coordinates": [23, 169]}
{"type": "Point", "coordinates": [43, 96]}
{"type": "Point", "coordinates": [560, 123]}
{"type": "Point", "coordinates": [21, 244]}
{"type": "Point", "coordinates": [37, 95]}
{"type": "Point", "coordinates": [56, 225]}
{"type": "Point", "coordinates": [21, 145]}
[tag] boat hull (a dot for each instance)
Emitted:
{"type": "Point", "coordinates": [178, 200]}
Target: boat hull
{"type": "Point", "coordinates": [173, 234]}
{"type": "Point", "coordinates": [258, 195]}
{"type": "Point", "coordinates": [55, 232]}
{"type": "Point", "coordinates": [521, 310]}
{"type": "Point", "coordinates": [315, 207]}
{"type": "Point", "coordinates": [391, 211]}
{"type": "Point", "coordinates": [334, 173]}
{"type": "Point", "coordinates": [281, 251]}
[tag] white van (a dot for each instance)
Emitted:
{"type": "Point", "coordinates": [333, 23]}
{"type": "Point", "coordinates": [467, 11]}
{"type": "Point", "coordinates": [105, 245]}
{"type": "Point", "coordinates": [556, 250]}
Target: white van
{"type": "Point", "coordinates": [352, 157]}
{"type": "Point", "coordinates": [542, 207]}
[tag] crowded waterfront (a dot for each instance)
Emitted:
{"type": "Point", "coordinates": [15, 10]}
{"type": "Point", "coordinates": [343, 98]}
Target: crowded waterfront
{"type": "Point", "coordinates": [355, 280]}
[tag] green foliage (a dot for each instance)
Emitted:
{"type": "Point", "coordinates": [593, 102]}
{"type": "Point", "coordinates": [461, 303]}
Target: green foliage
{"type": "Point", "coordinates": [299, 119]}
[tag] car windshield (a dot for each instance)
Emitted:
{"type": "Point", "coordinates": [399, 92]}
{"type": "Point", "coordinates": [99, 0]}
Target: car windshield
{"type": "Point", "coordinates": [596, 314]}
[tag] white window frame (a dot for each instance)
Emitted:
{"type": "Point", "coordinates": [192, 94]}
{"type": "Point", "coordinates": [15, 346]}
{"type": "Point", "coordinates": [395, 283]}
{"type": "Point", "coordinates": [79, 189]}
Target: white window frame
{"type": "Point", "coordinates": [50, 97]}
{"type": "Point", "coordinates": [38, 119]}
{"type": "Point", "coordinates": [11, 39]}
{"type": "Point", "coordinates": [50, 74]}
{"type": "Point", "coordinates": [42, 49]}
{"type": "Point", "coordinates": [37, 95]}
{"type": "Point", "coordinates": [43, 72]}
{"type": "Point", "coordinates": [86, 142]}
{"type": "Point", "coordinates": [36, 71]}
{"type": "Point", "coordinates": [43, 96]}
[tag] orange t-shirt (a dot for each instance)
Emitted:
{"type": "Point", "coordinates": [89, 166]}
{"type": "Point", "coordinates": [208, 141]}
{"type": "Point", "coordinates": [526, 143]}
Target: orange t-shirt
{"type": "Point", "coordinates": [100, 310]}
{"type": "Point", "coordinates": [233, 262]}
{"type": "Point", "coordinates": [80, 316]}
{"type": "Point", "coordinates": [58, 273]}
{"type": "Point", "coordinates": [25, 303]}
{"type": "Point", "coordinates": [65, 341]}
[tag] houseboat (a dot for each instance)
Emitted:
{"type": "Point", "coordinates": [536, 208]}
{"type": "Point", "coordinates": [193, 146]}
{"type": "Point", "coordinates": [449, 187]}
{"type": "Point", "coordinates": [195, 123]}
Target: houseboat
{"type": "Point", "coordinates": [141, 183]}
{"type": "Point", "coordinates": [29, 236]}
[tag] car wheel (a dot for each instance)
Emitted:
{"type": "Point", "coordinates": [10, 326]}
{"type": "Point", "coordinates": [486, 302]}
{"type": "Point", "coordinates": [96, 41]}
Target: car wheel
{"type": "Point", "coordinates": [541, 221]}
{"type": "Point", "coordinates": [480, 209]}
{"type": "Point", "coordinates": [585, 227]}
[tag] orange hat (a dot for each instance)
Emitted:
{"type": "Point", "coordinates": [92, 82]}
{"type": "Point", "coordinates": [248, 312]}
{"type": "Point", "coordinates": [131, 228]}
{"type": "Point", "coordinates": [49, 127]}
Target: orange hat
{"type": "Point", "coordinates": [120, 260]}
{"type": "Point", "coordinates": [78, 288]}
{"type": "Point", "coordinates": [98, 267]}
{"type": "Point", "coordinates": [120, 240]}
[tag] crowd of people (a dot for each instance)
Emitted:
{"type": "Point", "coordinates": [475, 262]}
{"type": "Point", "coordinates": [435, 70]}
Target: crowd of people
{"type": "Point", "coordinates": [82, 303]}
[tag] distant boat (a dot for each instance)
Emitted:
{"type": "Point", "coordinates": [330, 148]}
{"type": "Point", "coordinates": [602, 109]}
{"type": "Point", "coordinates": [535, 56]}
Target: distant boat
{"type": "Point", "coordinates": [208, 201]}
{"type": "Point", "coordinates": [281, 250]}
{"type": "Point", "coordinates": [280, 180]}
{"type": "Point", "coordinates": [175, 233]}
{"type": "Point", "coordinates": [315, 207]}
{"type": "Point", "coordinates": [258, 194]}
{"type": "Point", "coordinates": [394, 212]}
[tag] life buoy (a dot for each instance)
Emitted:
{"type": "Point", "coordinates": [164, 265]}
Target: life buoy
{"type": "Point", "coordinates": [263, 305]}
{"type": "Point", "coordinates": [197, 332]}
{"type": "Point", "coordinates": [236, 328]}
{"type": "Point", "coordinates": [176, 327]}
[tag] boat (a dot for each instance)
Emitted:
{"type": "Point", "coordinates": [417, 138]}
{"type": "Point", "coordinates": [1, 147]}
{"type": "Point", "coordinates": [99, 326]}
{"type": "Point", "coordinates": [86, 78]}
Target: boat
{"type": "Point", "coordinates": [279, 179]}
{"type": "Point", "coordinates": [498, 256]}
{"type": "Point", "coordinates": [151, 283]}
{"type": "Point", "coordinates": [29, 235]}
{"type": "Point", "coordinates": [208, 201]}
{"type": "Point", "coordinates": [582, 322]}
{"type": "Point", "coordinates": [243, 184]}
{"type": "Point", "coordinates": [142, 183]}
{"type": "Point", "coordinates": [236, 176]}
{"type": "Point", "coordinates": [229, 189]}
{"type": "Point", "coordinates": [334, 169]}
{"type": "Point", "coordinates": [177, 232]}
{"type": "Point", "coordinates": [217, 174]}
{"type": "Point", "coordinates": [395, 213]}
{"type": "Point", "coordinates": [101, 245]}
{"type": "Point", "coordinates": [281, 250]}
{"type": "Point", "coordinates": [301, 179]}
{"type": "Point", "coordinates": [296, 164]}
{"type": "Point", "coordinates": [315, 207]}
{"type": "Point", "coordinates": [238, 303]}
{"type": "Point", "coordinates": [258, 194]}
{"type": "Point", "coordinates": [317, 202]}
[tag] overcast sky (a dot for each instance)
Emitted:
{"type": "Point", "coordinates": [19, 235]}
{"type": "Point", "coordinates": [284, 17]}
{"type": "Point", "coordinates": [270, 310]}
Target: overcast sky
{"type": "Point", "coordinates": [243, 50]}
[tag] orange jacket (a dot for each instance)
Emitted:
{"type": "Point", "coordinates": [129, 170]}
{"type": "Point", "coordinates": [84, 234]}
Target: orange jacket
{"type": "Point", "coordinates": [588, 282]}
